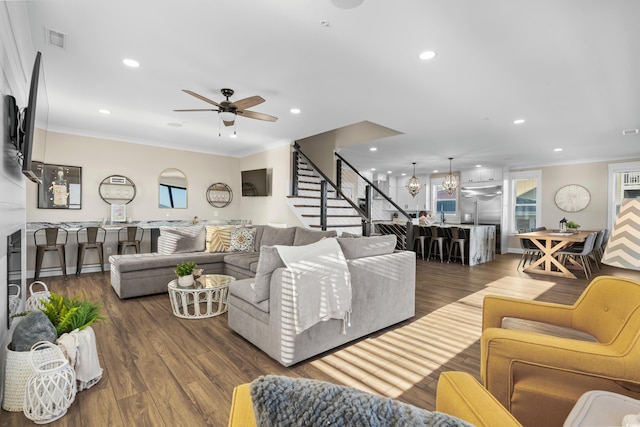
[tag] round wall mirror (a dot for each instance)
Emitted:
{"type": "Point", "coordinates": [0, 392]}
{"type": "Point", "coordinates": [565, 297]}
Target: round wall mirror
{"type": "Point", "coordinates": [219, 195]}
{"type": "Point", "coordinates": [117, 190]}
{"type": "Point", "coordinates": [172, 189]}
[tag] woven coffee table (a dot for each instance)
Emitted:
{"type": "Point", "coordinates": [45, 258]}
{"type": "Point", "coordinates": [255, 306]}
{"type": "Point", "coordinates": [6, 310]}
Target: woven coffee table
{"type": "Point", "coordinates": [207, 297]}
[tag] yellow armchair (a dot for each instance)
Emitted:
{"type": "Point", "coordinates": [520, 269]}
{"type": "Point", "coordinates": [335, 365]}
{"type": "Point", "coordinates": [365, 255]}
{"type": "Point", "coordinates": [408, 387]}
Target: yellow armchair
{"type": "Point", "coordinates": [520, 367]}
{"type": "Point", "coordinates": [458, 394]}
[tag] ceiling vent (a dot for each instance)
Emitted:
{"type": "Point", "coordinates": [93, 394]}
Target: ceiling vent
{"type": "Point", "coordinates": [630, 132]}
{"type": "Point", "coordinates": [55, 38]}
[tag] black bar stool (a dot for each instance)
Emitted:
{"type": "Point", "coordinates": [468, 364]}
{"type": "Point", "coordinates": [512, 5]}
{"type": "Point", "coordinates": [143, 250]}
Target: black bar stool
{"type": "Point", "coordinates": [129, 236]}
{"type": "Point", "coordinates": [437, 240]}
{"type": "Point", "coordinates": [458, 239]}
{"type": "Point", "coordinates": [90, 238]}
{"type": "Point", "coordinates": [419, 237]}
{"type": "Point", "coordinates": [50, 239]}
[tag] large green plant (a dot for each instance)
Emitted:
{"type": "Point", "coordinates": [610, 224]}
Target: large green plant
{"type": "Point", "coordinates": [71, 314]}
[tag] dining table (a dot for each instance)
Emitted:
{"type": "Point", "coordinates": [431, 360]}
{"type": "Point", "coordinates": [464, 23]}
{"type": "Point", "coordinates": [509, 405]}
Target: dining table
{"type": "Point", "coordinates": [550, 242]}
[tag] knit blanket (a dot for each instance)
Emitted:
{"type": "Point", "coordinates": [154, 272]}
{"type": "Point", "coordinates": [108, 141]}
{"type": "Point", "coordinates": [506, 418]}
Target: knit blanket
{"type": "Point", "coordinates": [283, 401]}
{"type": "Point", "coordinates": [320, 287]}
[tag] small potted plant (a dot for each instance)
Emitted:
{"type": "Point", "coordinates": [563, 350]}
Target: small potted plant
{"type": "Point", "coordinates": [184, 270]}
{"type": "Point", "coordinates": [572, 226]}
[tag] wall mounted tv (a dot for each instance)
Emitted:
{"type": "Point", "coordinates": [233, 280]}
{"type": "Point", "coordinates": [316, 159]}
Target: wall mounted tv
{"type": "Point", "coordinates": [255, 183]}
{"type": "Point", "coordinates": [34, 119]}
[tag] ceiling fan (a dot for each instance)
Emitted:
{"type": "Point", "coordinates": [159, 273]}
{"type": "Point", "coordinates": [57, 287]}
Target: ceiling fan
{"type": "Point", "coordinates": [228, 111]}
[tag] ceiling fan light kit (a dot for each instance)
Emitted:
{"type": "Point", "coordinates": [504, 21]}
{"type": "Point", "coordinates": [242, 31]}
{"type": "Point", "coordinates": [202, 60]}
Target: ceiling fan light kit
{"type": "Point", "coordinates": [450, 181]}
{"type": "Point", "coordinates": [414, 185]}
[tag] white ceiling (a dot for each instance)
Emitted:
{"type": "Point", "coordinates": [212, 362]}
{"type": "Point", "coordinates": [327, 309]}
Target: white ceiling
{"type": "Point", "coordinates": [570, 68]}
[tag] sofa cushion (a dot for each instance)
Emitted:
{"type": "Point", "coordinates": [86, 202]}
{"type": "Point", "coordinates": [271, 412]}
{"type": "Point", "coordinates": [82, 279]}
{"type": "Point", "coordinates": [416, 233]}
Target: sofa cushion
{"type": "Point", "coordinates": [242, 239]}
{"type": "Point", "coordinates": [218, 238]}
{"type": "Point", "coordinates": [181, 239]}
{"type": "Point", "coordinates": [242, 260]}
{"type": "Point", "coordinates": [304, 236]}
{"type": "Point", "coordinates": [269, 260]}
{"type": "Point", "coordinates": [278, 236]}
{"type": "Point", "coordinates": [242, 289]}
{"type": "Point", "coordinates": [360, 247]}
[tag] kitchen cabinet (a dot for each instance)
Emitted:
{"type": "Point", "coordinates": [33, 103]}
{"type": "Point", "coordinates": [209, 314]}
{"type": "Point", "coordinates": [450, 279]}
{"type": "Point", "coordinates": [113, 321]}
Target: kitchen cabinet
{"type": "Point", "coordinates": [481, 175]}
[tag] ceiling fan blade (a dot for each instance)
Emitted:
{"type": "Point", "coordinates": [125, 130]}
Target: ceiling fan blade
{"type": "Point", "coordinates": [229, 123]}
{"type": "Point", "coordinates": [198, 109]}
{"type": "Point", "coordinates": [205, 99]}
{"type": "Point", "coordinates": [252, 101]}
{"type": "Point", "coordinates": [256, 115]}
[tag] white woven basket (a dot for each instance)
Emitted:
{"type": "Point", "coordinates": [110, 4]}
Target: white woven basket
{"type": "Point", "coordinates": [17, 370]}
{"type": "Point", "coordinates": [51, 389]}
{"type": "Point", "coordinates": [14, 298]}
{"type": "Point", "coordinates": [34, 302]}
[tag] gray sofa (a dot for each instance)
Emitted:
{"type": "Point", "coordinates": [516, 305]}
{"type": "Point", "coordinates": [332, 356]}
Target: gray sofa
{"type": "Point", "coordinates": [383, 294]}
{"type": "Point", "coordinates": [134, 275]}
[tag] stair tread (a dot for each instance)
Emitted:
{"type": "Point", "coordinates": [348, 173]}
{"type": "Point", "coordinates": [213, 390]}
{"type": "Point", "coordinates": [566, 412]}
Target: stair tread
{"type": "Point", "coordinates": [330, 216]}
{"type": "Point", "coordinates": [318, 207]}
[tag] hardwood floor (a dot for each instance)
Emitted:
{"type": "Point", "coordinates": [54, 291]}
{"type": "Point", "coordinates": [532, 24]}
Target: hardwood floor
{"type": "Point", "coordinates": [160, 370]}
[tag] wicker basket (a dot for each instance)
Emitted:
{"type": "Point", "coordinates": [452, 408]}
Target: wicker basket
{"type": "Point", "coordinates": [17, 370]}
{"type": "Point", "coordinates": [34, 302]}
{"type": "Point", "coordinates": [51, 389]}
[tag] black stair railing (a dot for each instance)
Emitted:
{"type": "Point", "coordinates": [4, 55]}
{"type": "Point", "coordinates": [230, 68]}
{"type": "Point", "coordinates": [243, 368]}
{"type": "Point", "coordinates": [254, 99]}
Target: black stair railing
{"type": "Point", "coordinates": [324, 184]}
{"type": "Point", "coordinates": [404, 234]}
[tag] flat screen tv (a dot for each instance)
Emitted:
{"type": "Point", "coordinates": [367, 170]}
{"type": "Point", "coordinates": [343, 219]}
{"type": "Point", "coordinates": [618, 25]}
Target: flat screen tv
{"type": "Point", "coordinates": [34, 119]}
{"type": "Point", "coordinates": [255, 183]}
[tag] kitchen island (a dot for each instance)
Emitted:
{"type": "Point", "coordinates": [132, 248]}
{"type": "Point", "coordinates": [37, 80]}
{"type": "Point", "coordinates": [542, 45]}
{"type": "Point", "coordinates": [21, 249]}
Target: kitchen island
{"type": "Point", "coordinates": [481, 245]}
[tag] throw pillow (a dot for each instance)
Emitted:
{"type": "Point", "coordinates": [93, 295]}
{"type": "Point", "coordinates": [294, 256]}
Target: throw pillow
{"type": "Point", "coordinates": [181, 239]}
{"type": "Point", "coordinates": [242, 240]}
{"type": "Point", "coordinates": [278, 236]}
{"type": "Point", "coordinates": [269, 260]}
{"type": "Point", "coordinates": [218, 238]}
{"type": "Point", "coordinates": [304, 236]}
{"type": "Point", "coordinates": [360, 247]}
{"type": "Point", "coordinates": [319, 403]}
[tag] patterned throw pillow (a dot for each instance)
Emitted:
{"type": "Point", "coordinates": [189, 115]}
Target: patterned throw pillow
{"type": "Point", "coordinates": [218, 238]}
{"type": "Point", "coordinates": [242, 240]}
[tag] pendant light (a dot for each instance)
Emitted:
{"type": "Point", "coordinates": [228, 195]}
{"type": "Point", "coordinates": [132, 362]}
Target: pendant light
{"type": "Point", "coordinates": [450, 181]}
{"type": "Point", "coordinates": [414, 185]}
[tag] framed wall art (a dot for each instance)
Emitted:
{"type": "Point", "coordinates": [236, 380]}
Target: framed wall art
{"type": "Point", "coordinates": [60, 186]}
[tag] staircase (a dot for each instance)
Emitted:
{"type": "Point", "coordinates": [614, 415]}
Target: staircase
{"type": "Point", "coordinates": [341, 216]}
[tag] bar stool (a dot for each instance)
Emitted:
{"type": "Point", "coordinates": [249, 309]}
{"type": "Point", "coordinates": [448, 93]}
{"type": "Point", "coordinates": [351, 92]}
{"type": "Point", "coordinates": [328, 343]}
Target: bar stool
{"type": "Point", "coordinates": [129, 236]}
{"type": "Point", "coordinates": [458, 239]}
{"type": "Point", "coordinates": [419, 237]}
{"type": "Point", "coordinates": [92, 238]}
{"type": "Point", "coordinates": [47, 239]}
{"type": "Point", "coordinates": [437, 240]}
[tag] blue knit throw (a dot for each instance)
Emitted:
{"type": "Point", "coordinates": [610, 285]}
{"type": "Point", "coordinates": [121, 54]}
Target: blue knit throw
{"type": "Point", "coordinates": [283, 401]}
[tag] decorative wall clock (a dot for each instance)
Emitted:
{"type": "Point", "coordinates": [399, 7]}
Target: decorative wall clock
{"type": "Point", "coordinates": [572, 198]}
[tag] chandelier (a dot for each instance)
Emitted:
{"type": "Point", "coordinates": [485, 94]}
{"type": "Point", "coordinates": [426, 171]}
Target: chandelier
{"type": "Point", "coordinates": [414, 185]}
{"type": "Point", "coordinates": [450, 181]}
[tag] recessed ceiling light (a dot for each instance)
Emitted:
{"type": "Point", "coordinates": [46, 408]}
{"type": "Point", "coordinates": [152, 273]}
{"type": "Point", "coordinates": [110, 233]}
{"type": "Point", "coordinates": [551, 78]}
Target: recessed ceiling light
{"type": "Point", "coordinates": [435, 171]}
{"type": "Point", "coordinates": [557, 149]}
{"type": "Point", "coordinates": [131, 63]}
{"type": "Point", "coordinates": [103, 111]}
{"type": "Point", "coordinates": [373, 149]}
{"type": "Point", "coordinates": [518, 121]}
{"type": "Point", "coordinates": [389, 171]}
{"type": "Point", "coordinates": [478, 166]}
{"type": "Point", "coordinates": [373, 169]}
{"type": "Point", "coordinates": [404, 174]}
{"type": "Point", "coordinates": [295, 111]}
{"type": "Point", "coordinates": [427, 55]}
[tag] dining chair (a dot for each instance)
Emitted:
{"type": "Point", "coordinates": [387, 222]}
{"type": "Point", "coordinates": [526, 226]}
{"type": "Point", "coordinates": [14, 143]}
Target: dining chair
{"type": "Point", "coordinates": [530, 251]}
{"type": "Point", "coordinates": [572, 254]}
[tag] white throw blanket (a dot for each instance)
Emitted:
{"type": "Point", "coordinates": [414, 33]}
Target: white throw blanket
{"type": "Point", "coordinates": [79, 347]}
{"type": "Point", "coordinates": [321, 283]}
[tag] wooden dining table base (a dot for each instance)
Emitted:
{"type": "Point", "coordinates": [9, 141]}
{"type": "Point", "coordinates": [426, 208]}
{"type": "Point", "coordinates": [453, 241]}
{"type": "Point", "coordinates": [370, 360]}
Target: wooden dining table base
{"type": "Point", "coordinates": [550, 243]}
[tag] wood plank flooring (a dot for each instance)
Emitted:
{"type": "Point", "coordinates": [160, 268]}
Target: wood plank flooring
{"type": "Point", "coordinates": [160, 370]}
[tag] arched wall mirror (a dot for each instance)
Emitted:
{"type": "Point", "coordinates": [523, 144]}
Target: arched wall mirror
{"type": "Point", "coordinates": [172, 189]}
{"type": "Point", "coordinates": [117, 190]}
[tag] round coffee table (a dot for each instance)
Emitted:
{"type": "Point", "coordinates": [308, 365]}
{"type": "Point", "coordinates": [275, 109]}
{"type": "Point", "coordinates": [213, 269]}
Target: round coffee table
{"type": "Point", "coordinates": [207, 297]}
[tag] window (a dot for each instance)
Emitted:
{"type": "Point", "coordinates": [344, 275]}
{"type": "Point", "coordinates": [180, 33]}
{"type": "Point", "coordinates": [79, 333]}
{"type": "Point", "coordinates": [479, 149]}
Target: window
{"type": "Point", "coordinates": [444, 201]}
{"type": "Point", "coordinates": [172, 197]}
{"type": "Point", "coordinates": [624, 183]}
{"type": "Point", "coordinates": [526, 200]}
